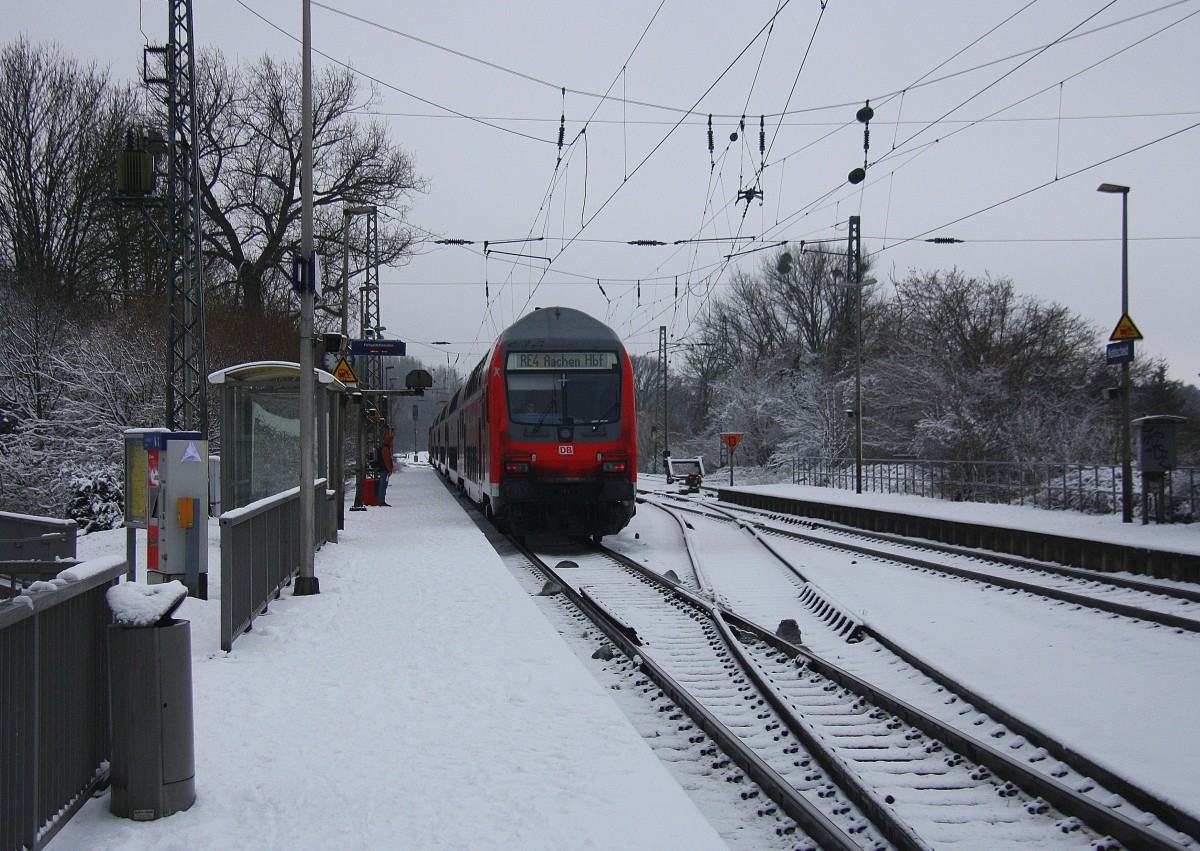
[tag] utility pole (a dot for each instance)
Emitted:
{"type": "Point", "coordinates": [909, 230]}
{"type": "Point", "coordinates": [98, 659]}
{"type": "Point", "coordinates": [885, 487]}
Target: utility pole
{"type": "Point", "coordinates": [1126, 383]}
{"type": "Point", "coordinates": [306, 580]}
{"type": "Point", "coordinates": [371, 375]}
{"type": "Point", "coordinates": [854, 274]}
{"type": "Point", "coordinates": [662, 376]}
{"type": "Point", "coordinates": [348, 212]}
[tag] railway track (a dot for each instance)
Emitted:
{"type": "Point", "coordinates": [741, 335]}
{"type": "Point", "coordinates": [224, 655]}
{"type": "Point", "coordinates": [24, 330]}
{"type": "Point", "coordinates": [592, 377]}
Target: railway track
{"type": "Point", "coordinates": [853, 766]}
{"type": "Point", "coordinates": [882, 660]}
{"type": "Point", "coordinates": [1169, 605]}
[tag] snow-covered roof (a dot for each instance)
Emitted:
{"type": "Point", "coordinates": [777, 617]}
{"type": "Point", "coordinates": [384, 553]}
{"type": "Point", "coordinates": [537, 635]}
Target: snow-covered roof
{"type": "Point", "coordinates": [269, 370]}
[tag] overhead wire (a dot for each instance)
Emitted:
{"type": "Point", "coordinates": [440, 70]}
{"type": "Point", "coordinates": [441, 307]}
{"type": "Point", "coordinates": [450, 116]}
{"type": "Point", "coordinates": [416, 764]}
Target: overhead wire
{"type": "Point", "coordinates": [606, 96]}
{"type": "Point", "coordinates": [384, 83]}
{"type": "Point", "coordinates": [786, 111]}
{"type": "Point", "coordinates": [669, 133]}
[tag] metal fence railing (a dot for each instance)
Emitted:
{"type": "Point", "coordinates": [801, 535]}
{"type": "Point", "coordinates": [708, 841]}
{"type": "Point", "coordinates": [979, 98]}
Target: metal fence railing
{"type": "Point", "coordinates": [55, 745]}
{"type": "Point", "coordinates": [33, 548]}
{"type": "Point", "coordinates": [260, 553]}
{"type": "Point", "coordinates": [1091, 488]}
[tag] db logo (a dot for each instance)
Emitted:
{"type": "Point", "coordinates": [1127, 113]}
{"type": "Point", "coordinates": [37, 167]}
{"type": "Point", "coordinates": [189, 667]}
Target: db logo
{"type": "Point", "coordinates": [566, 449]}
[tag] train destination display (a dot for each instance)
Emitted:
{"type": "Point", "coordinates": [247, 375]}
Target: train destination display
{"type": "Point", "coordinates": [562, 360]}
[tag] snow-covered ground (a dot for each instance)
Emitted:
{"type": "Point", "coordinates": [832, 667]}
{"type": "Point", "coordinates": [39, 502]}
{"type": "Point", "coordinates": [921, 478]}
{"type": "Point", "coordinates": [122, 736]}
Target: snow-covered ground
{"type": "Point", "coordinates": [1177, 537]}
{"type": "Point", "coordinates": [420, 701]}
{"type": "Point", "coordinates": [423, 701]}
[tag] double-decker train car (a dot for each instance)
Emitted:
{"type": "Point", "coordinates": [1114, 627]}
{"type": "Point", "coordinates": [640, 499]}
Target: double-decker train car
{"type": "Point", "coordinates": [543, 434]}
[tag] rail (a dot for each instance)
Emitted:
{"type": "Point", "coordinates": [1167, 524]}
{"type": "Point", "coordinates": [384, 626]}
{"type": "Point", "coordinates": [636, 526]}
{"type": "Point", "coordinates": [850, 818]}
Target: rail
{"type": "Point", "coordinates": [260, 553]}
{"type": "Point", "coordinates": [1090, 488]}
{"type": "Point", "coordinates": [34, 548]}
{"type": "Point", "coordinates": [55, 746]}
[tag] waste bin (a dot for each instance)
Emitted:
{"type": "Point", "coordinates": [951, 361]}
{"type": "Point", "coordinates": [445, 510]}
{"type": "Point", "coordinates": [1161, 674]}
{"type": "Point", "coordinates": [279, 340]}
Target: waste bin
{"type": "Point", "coordinates": [153, 770]}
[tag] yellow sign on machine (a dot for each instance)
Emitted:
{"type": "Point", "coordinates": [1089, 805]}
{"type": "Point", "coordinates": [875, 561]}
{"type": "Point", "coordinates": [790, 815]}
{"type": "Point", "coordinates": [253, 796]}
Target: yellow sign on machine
{"type": "Point", "coordinates": [1125, 330]}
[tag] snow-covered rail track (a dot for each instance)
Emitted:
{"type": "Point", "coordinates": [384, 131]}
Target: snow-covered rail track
{"type": "Point", "coordinates": [859, 756]}
{"type": "Point", "coordinates": [763, 583]}
{"type": "Point", "coordinates": [695, 659]}
{"type": "Point", "coordinates": [1166, 604]}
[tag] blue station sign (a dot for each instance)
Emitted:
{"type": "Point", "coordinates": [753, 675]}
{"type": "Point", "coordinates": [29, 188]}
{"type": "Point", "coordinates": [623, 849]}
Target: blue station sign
{"type": "Point", "coordinates": [380, 348]}
{"type": "Point", "coordinates": [1119, 352]}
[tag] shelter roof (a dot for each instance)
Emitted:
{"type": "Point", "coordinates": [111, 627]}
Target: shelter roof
{"type": "Point", "coordinates": [269, 370]}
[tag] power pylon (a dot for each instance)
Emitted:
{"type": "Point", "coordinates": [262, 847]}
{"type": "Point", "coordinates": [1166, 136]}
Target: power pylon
{"type": "Point", "coordinates": [186, 397]}
{"type": "Point", "coordinates": [369, 328]}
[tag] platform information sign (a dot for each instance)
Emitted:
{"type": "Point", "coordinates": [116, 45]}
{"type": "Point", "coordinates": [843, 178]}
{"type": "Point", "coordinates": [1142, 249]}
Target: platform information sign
{"type": "Point", "coordinates": [1120, 352]}
{"type": "Point", "coordinates": [382, 348]}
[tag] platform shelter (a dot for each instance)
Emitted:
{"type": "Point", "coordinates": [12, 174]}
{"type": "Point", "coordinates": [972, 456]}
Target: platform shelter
{"type": "Point", "coordinates": [260, 430]}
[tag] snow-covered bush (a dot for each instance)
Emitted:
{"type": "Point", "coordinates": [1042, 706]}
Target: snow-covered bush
{"type": "Point", "coordinates": [95, 498]}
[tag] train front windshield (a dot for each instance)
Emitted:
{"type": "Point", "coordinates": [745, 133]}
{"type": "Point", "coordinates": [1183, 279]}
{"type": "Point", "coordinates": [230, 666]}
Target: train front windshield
{"type": "Point", "coordinates": [563, 388]}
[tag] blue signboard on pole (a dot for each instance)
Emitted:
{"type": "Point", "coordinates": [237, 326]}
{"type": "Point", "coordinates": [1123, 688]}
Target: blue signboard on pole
{"type": "Point", "coordinates": [1120, 352]}
{"type": "Point", "coordinates": [388, 348]}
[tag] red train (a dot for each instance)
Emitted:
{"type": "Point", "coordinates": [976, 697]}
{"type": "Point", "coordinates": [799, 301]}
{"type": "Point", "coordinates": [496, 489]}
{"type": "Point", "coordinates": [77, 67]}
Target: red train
{"type": "Point", "coordinates": [543, 434]}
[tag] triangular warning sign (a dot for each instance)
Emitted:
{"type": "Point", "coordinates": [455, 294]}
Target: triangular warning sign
{"type": "Point", "coordinates": [343, 373]}
{"type": "Point", "coordinates": [732, 439]}
{"type": "Point", "coordinates": [1125, 330]}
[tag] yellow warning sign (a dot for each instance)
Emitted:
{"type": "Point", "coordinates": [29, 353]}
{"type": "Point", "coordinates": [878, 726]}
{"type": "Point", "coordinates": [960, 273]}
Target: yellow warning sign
{"type": "Point", "coordinates": [343, 372]}
{"type": "Point", "coordinates": [1125, 330]}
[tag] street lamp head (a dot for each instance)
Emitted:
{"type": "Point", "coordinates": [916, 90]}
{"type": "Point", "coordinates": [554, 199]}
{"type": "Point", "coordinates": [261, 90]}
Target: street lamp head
{"type": "Point", "coordinates": [1113, 188]}
{"type": "Point", "coordinates": [840, 280]}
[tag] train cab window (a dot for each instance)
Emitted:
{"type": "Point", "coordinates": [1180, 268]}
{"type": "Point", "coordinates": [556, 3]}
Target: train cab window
{"type": "Point", "coordinates": [571, 396]}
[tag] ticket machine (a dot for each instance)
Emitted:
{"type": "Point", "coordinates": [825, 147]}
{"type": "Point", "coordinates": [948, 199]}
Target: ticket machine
{"type": "Point", "coordinates": [171, 503]}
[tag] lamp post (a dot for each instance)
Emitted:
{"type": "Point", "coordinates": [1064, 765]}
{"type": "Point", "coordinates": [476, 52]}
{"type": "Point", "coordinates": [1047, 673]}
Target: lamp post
{"type": "Point", "coordinates": [348, 212]}
{"type": "Point", "coordinates": [663, 349]}
{"type": "Point", "coordinates": [306, 580]}
{"type": "Point", "coordinates": [386, 401]}
{"type": "Point", "coordinates": [1126, 460]}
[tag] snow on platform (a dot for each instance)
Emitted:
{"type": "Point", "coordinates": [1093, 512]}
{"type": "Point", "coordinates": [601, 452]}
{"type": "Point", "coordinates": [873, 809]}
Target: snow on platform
{"type": "Point", "coordinates": [421, 700]}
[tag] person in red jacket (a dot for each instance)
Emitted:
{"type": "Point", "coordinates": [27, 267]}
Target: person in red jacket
{"type": "Point", "coordinates": [385, 458]}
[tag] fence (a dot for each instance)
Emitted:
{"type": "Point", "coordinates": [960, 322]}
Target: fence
{"type": "Point", "coordinates": [1091, 488]}
{"type": "Point", "coordinates": [54, 723]}
{"type": "Point", "coordinates": [34, 548]}
{"type": "Point", "coordinates": [260, 553]}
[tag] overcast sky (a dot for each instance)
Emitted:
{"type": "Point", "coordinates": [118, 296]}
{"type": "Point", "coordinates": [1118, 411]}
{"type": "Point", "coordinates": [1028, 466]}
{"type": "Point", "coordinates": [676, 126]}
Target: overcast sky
{"type": "Point", "coordinates": [994, 123]}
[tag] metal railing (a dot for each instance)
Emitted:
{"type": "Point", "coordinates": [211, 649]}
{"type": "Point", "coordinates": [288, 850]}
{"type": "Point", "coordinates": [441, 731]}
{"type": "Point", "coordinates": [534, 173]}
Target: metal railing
{"type": "Point", "coordinates": [34, 548]}
{"type": "Point", "coordinates": [260, 553]}
{"type": "Point", "coordinates": [1090, 488]}
{"type": "Point", "coordinates": [54, 723]}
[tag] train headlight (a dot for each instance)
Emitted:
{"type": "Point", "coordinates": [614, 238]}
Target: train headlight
{"type": "Point", "coordinates": [516, 468]}
{"type": "Point", "coordinates": [614, 467]}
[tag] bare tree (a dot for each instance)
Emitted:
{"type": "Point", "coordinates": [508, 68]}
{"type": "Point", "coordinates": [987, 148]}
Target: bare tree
{"type": "Point", "coordinates": [61, 124]}
{"type": "Point", "coordinates": [250, 157]}
{"type": "Point", "coordinates": [984, 373]}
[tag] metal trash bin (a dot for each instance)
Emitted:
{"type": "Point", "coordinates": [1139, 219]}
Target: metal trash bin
{"type": "Point", "coordinates": [153, 770]}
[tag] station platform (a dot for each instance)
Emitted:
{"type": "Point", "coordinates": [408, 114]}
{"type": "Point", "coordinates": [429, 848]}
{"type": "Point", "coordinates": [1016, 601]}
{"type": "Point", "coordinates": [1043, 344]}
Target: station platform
{"type": "Point", "coordinates": [421, 700]}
